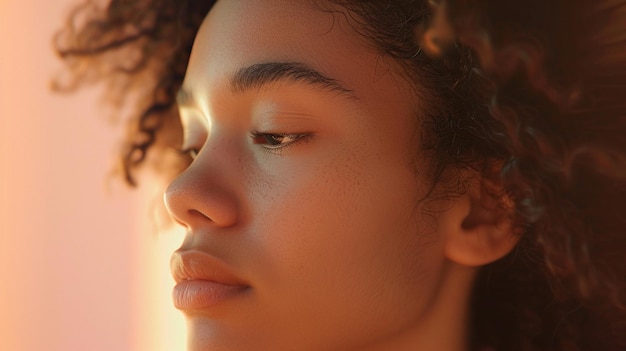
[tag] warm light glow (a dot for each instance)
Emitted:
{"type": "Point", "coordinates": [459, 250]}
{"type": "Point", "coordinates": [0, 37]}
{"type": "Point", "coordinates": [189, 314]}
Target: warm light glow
{"type": "Point", "coordinates": [172, 329]}
{"type": "Point", "coordinates": [80, 268]}
{"type": "Point", "coordinates": [161, 327]}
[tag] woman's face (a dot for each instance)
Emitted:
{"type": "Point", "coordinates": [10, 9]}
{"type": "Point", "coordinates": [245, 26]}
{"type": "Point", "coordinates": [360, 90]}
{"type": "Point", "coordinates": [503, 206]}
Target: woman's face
{"type": "Point", "coordinates": [302, 205]}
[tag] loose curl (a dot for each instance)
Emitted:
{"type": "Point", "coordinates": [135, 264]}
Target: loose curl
{"type": "Point", "coordinates": [560, 69]}
{"type": "Point", "coordinates": [535, 89]}
{"type": "Point", "coordinates": [139, 49]}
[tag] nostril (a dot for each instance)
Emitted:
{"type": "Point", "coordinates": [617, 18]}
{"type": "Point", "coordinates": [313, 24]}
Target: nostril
{"type": "Point", "coordinates": [197, 214]}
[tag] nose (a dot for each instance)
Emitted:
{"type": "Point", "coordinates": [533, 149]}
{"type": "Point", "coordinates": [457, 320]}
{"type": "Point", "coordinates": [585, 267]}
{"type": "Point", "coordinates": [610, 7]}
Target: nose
{"type": "Point", "coordinates": [202, 196]}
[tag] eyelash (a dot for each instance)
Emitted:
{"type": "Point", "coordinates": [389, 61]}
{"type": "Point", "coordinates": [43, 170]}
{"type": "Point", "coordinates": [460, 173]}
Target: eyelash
{"type": "Point", "coordinates": [276, 141]}
{"type": "Point", "coordinates": [190, 152]}
{"type": "Point", "coordinates": [265, 140]}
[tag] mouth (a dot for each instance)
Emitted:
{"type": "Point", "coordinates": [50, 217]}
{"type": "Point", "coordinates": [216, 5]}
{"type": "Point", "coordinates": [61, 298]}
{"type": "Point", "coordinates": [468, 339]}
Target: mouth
{"type": "Point", "coordinates": [203, 281]}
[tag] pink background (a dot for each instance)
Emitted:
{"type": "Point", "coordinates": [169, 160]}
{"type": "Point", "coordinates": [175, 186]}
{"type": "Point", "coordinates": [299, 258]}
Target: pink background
{"type": "Point", "coordinates": [80, 265]}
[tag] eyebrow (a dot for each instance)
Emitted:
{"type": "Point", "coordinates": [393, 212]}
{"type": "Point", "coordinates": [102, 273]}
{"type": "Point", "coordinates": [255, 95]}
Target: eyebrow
{"type": "Point", "coordinates": [265, 73]}
{"type": "Point", "coordinates": [262, 74]}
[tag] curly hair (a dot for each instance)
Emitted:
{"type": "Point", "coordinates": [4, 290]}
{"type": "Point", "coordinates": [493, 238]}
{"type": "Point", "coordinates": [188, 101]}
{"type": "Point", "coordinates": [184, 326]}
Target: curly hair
{"type": "Point", "coordinates": [520, 84]}
{"type": "Point", "coordinates": [560, 97]}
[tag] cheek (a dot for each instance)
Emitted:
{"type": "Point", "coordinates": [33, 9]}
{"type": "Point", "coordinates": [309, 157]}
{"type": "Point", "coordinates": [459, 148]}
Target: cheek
{"type": "Point", "coordinates": [304, 213]}
{"type": "Point", "coordinates": [351, 206]}
{"type": "Point", "coordinates": [343, 234]}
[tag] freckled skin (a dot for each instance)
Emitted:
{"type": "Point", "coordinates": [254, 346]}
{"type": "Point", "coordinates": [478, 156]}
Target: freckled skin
{"type": "Point", "coordinates": [328, 231]}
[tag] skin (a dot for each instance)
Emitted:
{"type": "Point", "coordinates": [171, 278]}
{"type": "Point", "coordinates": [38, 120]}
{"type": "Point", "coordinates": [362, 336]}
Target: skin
{"type": "Point", "coordinates": [327, 229]}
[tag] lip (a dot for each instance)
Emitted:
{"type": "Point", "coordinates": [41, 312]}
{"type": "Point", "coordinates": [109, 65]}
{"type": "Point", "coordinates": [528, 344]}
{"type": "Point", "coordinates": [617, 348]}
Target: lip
{"type": "Point", "coordinates": [203, 281]}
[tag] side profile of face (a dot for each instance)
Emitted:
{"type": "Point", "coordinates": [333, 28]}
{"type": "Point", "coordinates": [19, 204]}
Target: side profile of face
{"type": "Point", "coordinates": [303, 201]}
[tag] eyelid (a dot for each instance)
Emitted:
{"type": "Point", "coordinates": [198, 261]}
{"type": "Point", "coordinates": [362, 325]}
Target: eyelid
{"type": "Point", "coordinates": [259, 137]}
{"type": "Point", "coordinates": [195, 132]}
{"type": "Point", "coordinates": [190, 151]}
{"type": "Point", "coordinates": [191, 148]}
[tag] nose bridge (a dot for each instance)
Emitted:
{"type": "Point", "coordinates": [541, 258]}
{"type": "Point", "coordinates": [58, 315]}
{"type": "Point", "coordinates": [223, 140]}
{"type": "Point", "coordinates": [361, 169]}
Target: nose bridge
{"type": "Point", "coordinates": [204, 193]}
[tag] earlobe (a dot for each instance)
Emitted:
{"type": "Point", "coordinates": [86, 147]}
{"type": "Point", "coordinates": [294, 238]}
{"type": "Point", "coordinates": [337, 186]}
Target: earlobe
{"type": "Point", "coordinates": [478, 228]}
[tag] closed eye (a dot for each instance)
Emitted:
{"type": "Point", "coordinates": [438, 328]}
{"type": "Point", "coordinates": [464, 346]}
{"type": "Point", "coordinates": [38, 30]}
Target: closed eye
{"type": "Point", "coordinates": [277, 140]}
{"type": "Point", "coordinates": [271, 141]}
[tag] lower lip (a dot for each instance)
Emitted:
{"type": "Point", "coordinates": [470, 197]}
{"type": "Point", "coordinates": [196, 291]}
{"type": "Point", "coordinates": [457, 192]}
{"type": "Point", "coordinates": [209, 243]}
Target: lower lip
{"type": "Point", "coordinates": [203, 294]}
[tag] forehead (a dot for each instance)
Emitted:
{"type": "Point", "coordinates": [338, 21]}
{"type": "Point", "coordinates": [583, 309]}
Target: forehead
{"type": "Point", "coordinates": [241, 33]}
{"type": "Point", "coordinates": [246, 30]}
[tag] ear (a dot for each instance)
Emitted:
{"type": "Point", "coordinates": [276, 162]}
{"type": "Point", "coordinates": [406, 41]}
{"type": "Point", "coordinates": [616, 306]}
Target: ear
{"type": "Point", "coordinates": [478, 228]}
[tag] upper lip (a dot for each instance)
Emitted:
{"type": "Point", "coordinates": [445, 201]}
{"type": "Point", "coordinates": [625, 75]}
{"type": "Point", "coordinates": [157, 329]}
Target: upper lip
{"type": "Point", "coordinates": [197, 265]}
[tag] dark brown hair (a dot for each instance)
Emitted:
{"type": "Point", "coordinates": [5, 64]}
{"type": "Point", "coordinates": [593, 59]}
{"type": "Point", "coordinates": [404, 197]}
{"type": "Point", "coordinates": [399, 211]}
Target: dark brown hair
{"type": "Point", "coordinates": [536, 87]}
{"type": "Point", "coordinates": [560, 70]}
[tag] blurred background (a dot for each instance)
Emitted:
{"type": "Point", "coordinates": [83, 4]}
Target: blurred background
{"type": "Point", "coordinates": [81, 266]}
